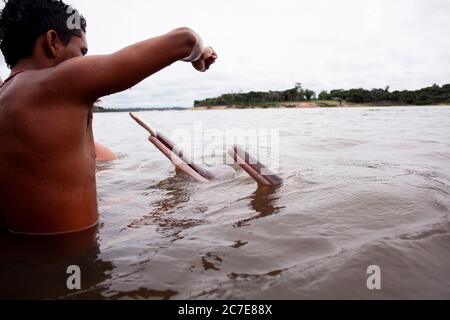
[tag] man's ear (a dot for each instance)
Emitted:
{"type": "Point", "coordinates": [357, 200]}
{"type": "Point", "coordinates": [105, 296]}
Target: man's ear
{"type": "Point", "coordinates": [52, 43]}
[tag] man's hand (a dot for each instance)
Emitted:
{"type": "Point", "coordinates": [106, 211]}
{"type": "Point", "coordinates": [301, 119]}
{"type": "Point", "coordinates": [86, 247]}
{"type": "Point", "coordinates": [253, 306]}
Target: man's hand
{"type": "Point", "coordinates": [208, 58]}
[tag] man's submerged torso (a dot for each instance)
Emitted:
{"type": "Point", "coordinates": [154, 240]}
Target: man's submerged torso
{"type": "Point", "coordinates": [47, 159]}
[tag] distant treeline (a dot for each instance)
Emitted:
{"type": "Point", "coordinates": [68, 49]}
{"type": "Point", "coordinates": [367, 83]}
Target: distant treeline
{"type": "Point", "coordinates": [426, 96]}
{"type": "Point", "coordinates": [101, 109]}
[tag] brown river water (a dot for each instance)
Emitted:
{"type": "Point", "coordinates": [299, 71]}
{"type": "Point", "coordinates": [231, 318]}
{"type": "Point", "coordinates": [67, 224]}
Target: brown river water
{"type": "Point", "coordinates": [363, 186]}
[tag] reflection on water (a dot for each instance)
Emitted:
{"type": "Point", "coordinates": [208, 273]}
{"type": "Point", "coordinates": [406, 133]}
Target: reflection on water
{"type": "Point", "coordinates": [363, 187]}
{"type": "Point", "coordinates": [102, 166]}
{"type": "Point", "coordinates": [175, 192]}
{"type": "Point", "coordinates": [35, 267]}
{"type": "Point", "coordinates": [263, 202]}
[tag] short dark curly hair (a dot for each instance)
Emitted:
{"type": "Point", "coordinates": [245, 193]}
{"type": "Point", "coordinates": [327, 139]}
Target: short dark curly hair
{"type": "Point", "coordinates": [23, 21]}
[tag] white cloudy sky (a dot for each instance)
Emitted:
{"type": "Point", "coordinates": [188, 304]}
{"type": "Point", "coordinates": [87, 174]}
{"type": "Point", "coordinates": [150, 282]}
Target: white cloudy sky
{"type": "Point", "coordinates": [270, 45]}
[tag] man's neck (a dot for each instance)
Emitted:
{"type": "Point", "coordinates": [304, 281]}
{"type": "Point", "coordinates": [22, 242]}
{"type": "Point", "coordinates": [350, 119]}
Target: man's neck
{"type": "Point", "coordinates": [31, 64]}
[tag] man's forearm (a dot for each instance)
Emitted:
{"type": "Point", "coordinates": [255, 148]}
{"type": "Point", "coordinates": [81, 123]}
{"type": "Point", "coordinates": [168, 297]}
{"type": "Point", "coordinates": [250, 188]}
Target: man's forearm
{"type": "Point", "coordinates": [183, 42]}
{"type": "Point", "coordinates": [147, 57]}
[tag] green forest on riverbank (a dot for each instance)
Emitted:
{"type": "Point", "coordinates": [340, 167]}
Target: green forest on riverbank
{"type": "Point", "coordinates": [427, 96]}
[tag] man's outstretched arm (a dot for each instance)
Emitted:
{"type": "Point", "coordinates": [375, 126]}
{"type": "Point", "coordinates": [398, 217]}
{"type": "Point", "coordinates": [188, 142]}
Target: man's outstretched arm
{"type": "Point", "coordinates": [86, 79]}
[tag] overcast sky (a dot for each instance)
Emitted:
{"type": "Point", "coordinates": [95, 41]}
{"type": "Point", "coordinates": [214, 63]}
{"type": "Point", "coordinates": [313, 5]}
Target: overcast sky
{"type": "Point", "coordinates": [270, 45]}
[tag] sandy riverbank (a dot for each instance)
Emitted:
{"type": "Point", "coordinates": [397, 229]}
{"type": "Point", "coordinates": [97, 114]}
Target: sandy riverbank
{"type": "Point", "coordinates": [281, 105]}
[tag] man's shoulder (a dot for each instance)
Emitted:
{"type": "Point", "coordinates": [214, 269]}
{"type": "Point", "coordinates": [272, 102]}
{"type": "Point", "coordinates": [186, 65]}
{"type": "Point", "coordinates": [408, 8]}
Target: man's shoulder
{"type": "Point", "coordinates": [31, 85]}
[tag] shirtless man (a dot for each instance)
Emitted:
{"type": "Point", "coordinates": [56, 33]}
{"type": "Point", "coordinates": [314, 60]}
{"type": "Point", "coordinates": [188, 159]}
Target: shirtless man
{"type": "Point", "coordinates": [47, 154]}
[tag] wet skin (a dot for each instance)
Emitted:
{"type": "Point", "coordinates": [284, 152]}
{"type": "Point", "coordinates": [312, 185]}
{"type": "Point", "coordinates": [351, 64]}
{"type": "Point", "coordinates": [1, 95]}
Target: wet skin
{"type": "Point", "coordinates": [47, 154]}
{"type": "Point", "coordinates": [47, 159]}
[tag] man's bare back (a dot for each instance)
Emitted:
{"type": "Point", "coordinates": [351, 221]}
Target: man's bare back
{"type": "Point", "coordinates": [47, 158]}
